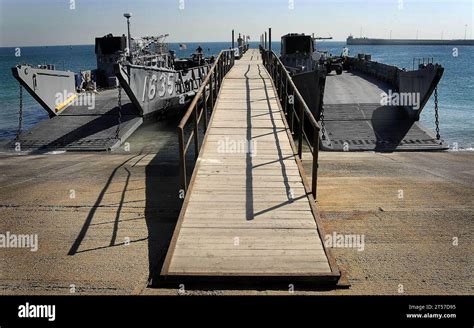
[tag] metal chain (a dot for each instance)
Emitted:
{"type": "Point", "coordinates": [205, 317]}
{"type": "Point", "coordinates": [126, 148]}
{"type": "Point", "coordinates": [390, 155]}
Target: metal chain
{"type": "Point", "coordinates": [321, 116]}
{"type": "Point", "coordinates": [436, 113]}
{"type": "Point", "coordinates": [119, 114]}
{"type": "Point", "coordinates": [20, 114]}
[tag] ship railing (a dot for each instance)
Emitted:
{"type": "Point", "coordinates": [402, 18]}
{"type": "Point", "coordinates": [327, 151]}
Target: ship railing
{"type": "Point", "coordinates": [296, 111]}
{"type": "Point", "coordinates": [200, 110]}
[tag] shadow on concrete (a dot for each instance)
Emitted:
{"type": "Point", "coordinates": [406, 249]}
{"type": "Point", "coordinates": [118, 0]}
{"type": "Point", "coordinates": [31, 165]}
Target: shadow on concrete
{"type": "Point", "coordinates": [390, 125]}
{"type": "Point", "coordinates": [162, 203]}
{"type": "Point", "coordinates": [85, 227]}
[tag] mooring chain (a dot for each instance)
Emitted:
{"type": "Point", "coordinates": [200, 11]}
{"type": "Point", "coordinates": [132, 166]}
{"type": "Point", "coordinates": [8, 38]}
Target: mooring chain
{"type": "Point", "coordinates": [436, 113]}
{"type": "Point", "coordinates": [119, 113]}
{"type": "Point", "coordinates": [321, 116]}
{"type": "Point", "coordinates": [20, 113]}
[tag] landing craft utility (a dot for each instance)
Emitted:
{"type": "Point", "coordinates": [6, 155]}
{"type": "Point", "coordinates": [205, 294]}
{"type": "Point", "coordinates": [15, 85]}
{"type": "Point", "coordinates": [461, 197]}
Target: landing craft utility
{"type": "Point", "coordinates": [135, 79]}
{"type": "Point", "coordinates": [366, 105]}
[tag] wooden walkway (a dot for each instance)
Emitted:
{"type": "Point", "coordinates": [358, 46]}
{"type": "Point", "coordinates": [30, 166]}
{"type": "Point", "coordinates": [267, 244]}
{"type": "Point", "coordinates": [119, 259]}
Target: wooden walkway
{"type": "Point", "coordinates": [248, 212]}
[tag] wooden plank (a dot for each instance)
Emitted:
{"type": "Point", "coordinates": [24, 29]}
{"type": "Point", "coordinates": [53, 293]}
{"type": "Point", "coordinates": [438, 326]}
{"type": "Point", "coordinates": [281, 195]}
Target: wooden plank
{"type": "Point", "coordinates": [250, 252]}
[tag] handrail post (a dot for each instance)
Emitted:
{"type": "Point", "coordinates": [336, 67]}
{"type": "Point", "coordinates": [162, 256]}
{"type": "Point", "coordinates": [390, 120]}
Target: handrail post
{"type": "Point", "coordinates": [223, 64]}
{"type": "Point", "coordinates": [182, 161]}
{"type": "Point", "coordinates": [292, 116]}
{"type": "Point", "coordinates": [270, 39]}
{"type": "Point", "coordinates": [277, 77]}
{"type": "Point", "coordinates": [214, 73]}
{"type": "Point", "coordinates": [220, 72]}
{"type": "Point", "coordinates": [204, 108]}
{"type": "Point", "coordinates": [226, 65]}
{"type": "Point", "coordinates": [314, 182]}
{"type": "Point", "coordinates": [274, 66]}
{"type": "Point", "coordinates": [228, 62]}
{"type": "Point", "coordinates": [300, 134]}
{"type": "Point", "coordinates": [196, 131]}
{"type": "Point", "coordinates": [211, 92]}
{"type": "Point", "coordinates": [280, 73]}
{"type": "Point", "coordinates": [223, 67]}
{"type": "Point", "coordinates": [281, 82]}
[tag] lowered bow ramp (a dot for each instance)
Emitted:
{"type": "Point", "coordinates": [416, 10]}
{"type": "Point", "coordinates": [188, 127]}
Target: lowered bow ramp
{"type": "Point", "coordinates": [85, 127]}
{"type": "Point", "coordinates": [354, 120]}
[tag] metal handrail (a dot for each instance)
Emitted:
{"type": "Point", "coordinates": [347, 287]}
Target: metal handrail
{"type": "Point", "coordinates": [202, 103]}
{"type": "Point", "coordinates": [291, 99]}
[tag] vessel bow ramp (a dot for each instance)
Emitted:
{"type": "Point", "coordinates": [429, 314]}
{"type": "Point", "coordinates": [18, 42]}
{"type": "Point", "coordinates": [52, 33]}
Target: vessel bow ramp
{"type": "Point", "coordinates": [248, 214]}
{"type": "Point", "coordinates": [356, 120]}
{"type": "Point", "coordinates": [83, 128]}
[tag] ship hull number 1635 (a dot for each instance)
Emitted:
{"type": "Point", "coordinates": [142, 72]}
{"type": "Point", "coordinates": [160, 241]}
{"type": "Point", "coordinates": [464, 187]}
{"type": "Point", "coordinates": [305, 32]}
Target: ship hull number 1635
{"type": "Point", "coordinates": [155, 85]}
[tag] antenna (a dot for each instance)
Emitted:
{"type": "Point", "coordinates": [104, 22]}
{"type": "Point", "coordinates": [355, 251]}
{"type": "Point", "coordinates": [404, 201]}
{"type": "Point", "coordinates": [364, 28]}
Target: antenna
{"type": "Point", "coordinates": [465, 31]}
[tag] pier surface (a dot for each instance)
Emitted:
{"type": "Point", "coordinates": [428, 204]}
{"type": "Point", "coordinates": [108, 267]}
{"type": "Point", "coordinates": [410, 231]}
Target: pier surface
{"type": "Point", "coordinates": [247, 211]}
{"type": "Point", "coordinates": [103, 220]}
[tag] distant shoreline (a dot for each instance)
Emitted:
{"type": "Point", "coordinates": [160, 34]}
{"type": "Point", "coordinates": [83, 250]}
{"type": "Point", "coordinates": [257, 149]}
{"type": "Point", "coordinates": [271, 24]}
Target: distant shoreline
{"type": "Point", "coordinates": [409, 42]}
{"type": "Point", "coordinates": [170, 42]}
{"type": "Point", "coordinates": [92, 45]}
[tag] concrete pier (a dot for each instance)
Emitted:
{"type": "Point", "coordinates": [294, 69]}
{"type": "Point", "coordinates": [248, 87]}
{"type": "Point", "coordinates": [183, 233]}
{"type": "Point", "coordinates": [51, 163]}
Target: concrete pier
{"type": "Point", "coordinates": [407, 241]}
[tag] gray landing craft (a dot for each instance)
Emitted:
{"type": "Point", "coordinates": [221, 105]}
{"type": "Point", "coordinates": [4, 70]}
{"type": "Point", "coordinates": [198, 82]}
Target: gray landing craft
{"type": "Point", "coordinates": [363, 104]}
{"type": "Point", "coordinates": [155, 81]}
{"type": "Point", "coordinates": [90, 111]}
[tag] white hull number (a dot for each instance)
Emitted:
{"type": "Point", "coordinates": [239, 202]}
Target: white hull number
{"type": "Point", "coordinates": [155, 85]}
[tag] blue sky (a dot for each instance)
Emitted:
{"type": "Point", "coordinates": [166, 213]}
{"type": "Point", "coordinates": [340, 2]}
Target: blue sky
{"type": "Point", "coordinates": [52, 22]}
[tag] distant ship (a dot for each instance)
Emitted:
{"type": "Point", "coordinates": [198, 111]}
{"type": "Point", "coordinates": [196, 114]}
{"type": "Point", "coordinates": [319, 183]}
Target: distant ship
{"type": "Point", "coordinates": [409, 42]}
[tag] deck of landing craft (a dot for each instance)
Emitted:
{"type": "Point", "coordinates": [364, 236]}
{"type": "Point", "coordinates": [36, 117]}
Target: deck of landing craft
{"type": "Point", "coordinates": [355, 119]}
{"type": "Point", "coordinates": [248, 212]}
{"type": "Point", "coordinates": [87, 126]}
